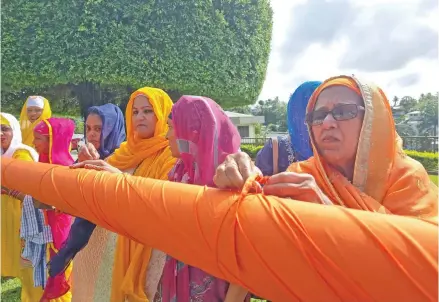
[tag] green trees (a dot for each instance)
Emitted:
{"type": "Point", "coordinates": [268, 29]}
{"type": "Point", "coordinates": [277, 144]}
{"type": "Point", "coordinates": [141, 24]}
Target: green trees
{"type": "Point", "coordinates": [428, 105]}
{"type": "Point", "coordinates": [103, 50]}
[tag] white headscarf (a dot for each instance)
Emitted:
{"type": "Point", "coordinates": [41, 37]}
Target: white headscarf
{"type": "Point", "coordinates": [35, 101]}
{"type": "Point", "coordinates": [16, 142]}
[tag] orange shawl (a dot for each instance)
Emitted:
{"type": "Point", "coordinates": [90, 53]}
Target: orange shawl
{"type": "Point", "coordinates": [152, 158]}
{"type": "Point", "coordinates": [385, 179]}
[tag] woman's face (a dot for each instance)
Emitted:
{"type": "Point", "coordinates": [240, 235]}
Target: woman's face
{"type": "Point", "coordinates": [33, 113]}
{"type": "Point", "coordinates": [6, 137]}
{"type": "Point", "coordinates": [144, 119]}
{"type": "Point", "coordinates": [172, 140]}
{"type": "Point", "coordinates": [337, 140]}
{"type": "Point", "coordinates": [41, 143]}
{"type": "Point", "coordinates": [93, 130]}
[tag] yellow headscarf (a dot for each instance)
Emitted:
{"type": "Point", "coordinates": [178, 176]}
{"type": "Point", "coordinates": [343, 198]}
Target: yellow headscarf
{"type": "Point", "coordinates": [136, 151]}
{"type": "Point", "coordinates": [153, 159]}
{"type": "Point", "coordinates": [27, 127]}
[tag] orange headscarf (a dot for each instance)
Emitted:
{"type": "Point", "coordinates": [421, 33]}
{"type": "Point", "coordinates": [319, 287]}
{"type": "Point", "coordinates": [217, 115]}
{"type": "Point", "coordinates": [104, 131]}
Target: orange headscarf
{"type": "Point", "coordinates": [152, 158]}
{"type": "Point", "coordinates": [385, 179]}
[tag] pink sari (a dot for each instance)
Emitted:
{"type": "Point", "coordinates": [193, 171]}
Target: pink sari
{"type": "Point", "coordinates": [205, 136]}
{"type": "Point", "coordinates": [60, 132]}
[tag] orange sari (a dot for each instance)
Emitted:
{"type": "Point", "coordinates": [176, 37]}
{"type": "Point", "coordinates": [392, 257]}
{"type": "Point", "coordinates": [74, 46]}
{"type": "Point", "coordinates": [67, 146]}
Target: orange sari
{"type": "Point", "coordinates": [281, 249]}
{"type": "Point", "coordinates": [385, 179]}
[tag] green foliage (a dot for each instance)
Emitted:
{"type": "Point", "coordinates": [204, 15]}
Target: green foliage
{"type": "Point", "coordinates": [428, 105]}
{"type": "Point", "coordinates": [216, 48]}
{"type": "Point", "coordinates": [408, 103]}
{"type": "Point", "coordinates": [428, 159]}
{"type": "Point", "coordinates": [434, 179]}
{"type": "Point", "coordinates": [275, 113]}
{"type": "Point", "coordinates": [251, 150]}
{"type": "Point", "coordinates": [61, 98]}
{"type": "Point", "coordinates": [10, 289]}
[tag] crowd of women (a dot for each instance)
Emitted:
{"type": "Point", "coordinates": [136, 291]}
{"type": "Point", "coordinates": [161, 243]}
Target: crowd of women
{"type": "Point", "coordinates": [334, 211]}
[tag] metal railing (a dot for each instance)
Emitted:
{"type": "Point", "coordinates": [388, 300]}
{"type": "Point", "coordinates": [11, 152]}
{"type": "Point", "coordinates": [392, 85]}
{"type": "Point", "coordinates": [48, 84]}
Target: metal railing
{"type": "Point", "coordinates": [416, 143]}
{"type": "Point", "coordinates": [420, 143]}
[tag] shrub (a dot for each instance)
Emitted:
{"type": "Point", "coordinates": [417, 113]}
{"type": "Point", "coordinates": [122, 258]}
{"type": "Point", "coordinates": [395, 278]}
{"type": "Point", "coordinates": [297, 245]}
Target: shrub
{"type": "Point", "coordinates": [215, 48]}
{"type": "Point", "coordinates": [428, 159]}
{"type": "Point", "coordinates": [251, 150]}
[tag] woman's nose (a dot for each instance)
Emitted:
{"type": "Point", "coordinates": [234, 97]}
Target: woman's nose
{"type": "Point", "coordinates": [329, 121]}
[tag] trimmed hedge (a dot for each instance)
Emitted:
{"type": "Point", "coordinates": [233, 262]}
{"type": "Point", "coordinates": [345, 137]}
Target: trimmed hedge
{"type": "Point", "coordinates": [215, 48]}
{"type": "Point", "coordinates": [427, 159]}
{"type": "Point", "coordinates": [251, 150]}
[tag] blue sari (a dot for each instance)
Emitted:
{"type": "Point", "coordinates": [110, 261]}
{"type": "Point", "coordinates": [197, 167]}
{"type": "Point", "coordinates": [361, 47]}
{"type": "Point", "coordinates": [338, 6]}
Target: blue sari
{"type": "Point", "coordinates": [112, 135]}
{"type": "Point", "coordinates": [296, 145]}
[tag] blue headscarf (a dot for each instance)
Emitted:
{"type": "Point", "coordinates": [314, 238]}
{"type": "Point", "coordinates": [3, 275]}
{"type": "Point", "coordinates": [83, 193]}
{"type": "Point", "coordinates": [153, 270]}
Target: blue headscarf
{"type": "Point", "coordinates": [112, 135]}
{"type": "Point", "coordinates": [113, 128]}
{"type": "Point", "coordinates": [300, 141]}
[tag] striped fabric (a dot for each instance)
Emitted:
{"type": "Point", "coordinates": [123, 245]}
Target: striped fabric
{"type": "Point", "coordinates": [36, 235]}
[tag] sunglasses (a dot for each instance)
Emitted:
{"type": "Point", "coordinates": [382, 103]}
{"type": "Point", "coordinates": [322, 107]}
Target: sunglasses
{"type": "Point", "coordinates": [339, 113]}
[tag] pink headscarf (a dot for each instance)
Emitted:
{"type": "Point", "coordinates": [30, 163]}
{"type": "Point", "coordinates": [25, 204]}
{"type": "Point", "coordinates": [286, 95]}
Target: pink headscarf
{"type": "Point", "coordinates": [205, 136]}
{"type": "Point", "coordinates": [60, 132]}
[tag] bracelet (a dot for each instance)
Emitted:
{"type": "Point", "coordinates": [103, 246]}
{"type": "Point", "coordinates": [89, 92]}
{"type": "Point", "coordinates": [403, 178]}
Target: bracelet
{"type": "Point", "coordinates": [14, 193]}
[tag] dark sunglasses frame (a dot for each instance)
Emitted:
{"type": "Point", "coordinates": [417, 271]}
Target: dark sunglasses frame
{"type": "Point", "coordinates": [309, 117]}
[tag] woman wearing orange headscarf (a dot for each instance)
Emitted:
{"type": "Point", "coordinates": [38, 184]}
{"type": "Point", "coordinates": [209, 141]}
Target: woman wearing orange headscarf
{"type": "Point", "coordinates": [358, 158]}
{"type": "Point", "coordinates": [35, 109]}
{"type": "Point", "coordinates": [135, 269]}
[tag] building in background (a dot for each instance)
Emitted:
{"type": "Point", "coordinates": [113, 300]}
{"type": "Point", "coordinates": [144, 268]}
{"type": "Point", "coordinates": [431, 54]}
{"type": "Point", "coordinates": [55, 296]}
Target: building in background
{"type": "Point", "coordinates": [245, 123]}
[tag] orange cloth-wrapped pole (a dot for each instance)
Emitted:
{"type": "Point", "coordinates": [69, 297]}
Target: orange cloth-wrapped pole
{"type": "Point", "coordinates": [280, 249]}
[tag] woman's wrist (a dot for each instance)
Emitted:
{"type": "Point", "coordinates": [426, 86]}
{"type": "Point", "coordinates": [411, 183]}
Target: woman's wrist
{"type": "Point", "coordinates": [14, 193]}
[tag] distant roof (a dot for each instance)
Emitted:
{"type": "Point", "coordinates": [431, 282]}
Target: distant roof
{"type": "Point", "coordinates": [236, 114]}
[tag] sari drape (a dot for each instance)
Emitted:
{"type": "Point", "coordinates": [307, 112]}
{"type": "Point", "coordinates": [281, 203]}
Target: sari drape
{"type": "Point", "coordinates": [205, 136]}
{"type": "Point", "coordinates": [385, 179]}
{"type": "Point", "coordinates": [60, 132]}
{"type": "Point", "coordinates": [12, 264]}
{"type": "Point", "coordinates": [150, 158]}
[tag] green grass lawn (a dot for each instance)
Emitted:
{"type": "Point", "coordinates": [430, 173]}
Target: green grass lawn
{"type": "Point", "coordinates": [434, 179]}
{"type": "Point", "coordinates": [10, 290]}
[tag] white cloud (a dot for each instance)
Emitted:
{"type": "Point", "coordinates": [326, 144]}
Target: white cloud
{"type": "Point", "coordinates": [390, 42]}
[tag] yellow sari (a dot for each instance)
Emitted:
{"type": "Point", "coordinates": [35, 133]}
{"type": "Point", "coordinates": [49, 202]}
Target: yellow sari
{"type": "Point", "coordinates": [27, 127]}
{"type": "Point", "coordinates": [11, 244]}
{"type": "Point", "coordinates": [151, 158]}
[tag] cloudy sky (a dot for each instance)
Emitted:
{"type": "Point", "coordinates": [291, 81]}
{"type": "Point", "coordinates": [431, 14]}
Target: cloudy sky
{"type": "Point", "coordinates": [393, 43]}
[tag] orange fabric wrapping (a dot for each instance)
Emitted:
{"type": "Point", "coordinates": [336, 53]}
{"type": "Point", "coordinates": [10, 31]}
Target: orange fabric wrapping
{"type": "Point", "coordinates": [334, 253]}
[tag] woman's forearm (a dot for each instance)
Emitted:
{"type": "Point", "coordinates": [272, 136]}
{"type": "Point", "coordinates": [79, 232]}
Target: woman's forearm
{"type": "Point", "coordinates": [21, 196]}
{"type": "Point", "coordinates": [283, 250]}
